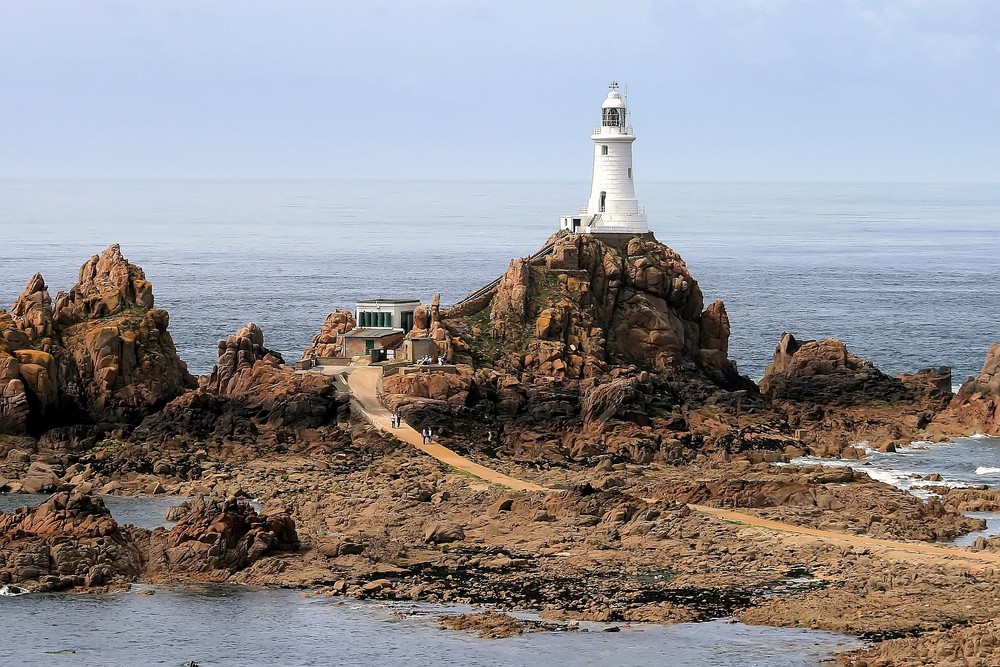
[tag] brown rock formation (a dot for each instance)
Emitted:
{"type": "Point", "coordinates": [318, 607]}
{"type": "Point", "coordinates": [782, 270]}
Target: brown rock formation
{"type": "Point", "coordinates": [329, 342]}
{"type": "Point", "coordinates": [975, 644]}
{"type": "Point", "coordinates": [68, 541]}
{"type": "Point", "coordinates": [976, 407]}
{"type": "Point", "coordinates": [427, 324]}
{"type": "Point", "coordinates": [216, 539]}
{"type": "Point", "coordinates": [102, 354]}
{"type": "Point", "coordinates": [237, 355]}
{"type": "Point", "coordinates": [248, 390]}
{"type": "Point", "coordinates": [441, 387]}
{"type": "Point", "coordinates": [595, 304]}
{"type": "Point", "coordinates": [824, 372]}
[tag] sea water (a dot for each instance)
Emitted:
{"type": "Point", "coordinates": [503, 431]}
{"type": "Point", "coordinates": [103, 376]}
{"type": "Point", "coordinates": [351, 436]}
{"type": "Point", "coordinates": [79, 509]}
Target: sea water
{"type": "Point", "coordinates": [906, 274]}
{"type": "Point", "coordinates": [232, 626]}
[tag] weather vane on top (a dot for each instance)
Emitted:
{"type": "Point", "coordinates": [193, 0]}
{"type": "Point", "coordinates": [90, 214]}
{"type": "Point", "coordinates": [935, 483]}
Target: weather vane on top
{"type": "Point", "coordinates": [614, 85]}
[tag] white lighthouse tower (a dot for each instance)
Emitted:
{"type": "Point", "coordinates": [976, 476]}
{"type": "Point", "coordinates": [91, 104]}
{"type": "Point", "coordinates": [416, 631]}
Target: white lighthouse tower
{"type": "Point", "coordinates": [612, 207]}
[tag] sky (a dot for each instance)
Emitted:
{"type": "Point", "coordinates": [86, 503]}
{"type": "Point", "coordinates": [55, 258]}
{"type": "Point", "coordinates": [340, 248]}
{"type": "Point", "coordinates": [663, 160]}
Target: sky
{"type": "Point", "coordinates": [719, 90]}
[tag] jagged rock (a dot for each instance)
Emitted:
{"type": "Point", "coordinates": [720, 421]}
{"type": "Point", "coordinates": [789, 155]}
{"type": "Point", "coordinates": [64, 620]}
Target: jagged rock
{"type": "Point", "coordinates": [108, 285]}
{"type": "Point", "coordinates": [32, 310]}
{"type": "Point", "coordinates": [976, 407]}
{"type": "Point", "coordinates": [68, 541]}
{"type": "Point", "coordinates": [824, 372]}
{"type": "Point", "coordinates": [329, 342]}
{"type": "Point", "coordinates": [102, 354]}
{"type": "Point", "coordinates": [595, 304]}
{"type": "Point", "coordinates": [427, 323]}
{"type": "Point", "coordinates": [249, 389]}
{"type": "Point", "coordinates": [238, 354]}
{"type": "Point", "coordinates": [216, 539]}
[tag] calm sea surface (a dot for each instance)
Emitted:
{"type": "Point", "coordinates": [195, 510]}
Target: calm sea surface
{"type": "Point", "coordinates": [236, 627]}
{"type": "Point", "coordinates": [908, 275]}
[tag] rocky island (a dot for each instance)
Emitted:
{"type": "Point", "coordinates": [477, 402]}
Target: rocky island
{"type": "Point", "coordinates": [593, 371]}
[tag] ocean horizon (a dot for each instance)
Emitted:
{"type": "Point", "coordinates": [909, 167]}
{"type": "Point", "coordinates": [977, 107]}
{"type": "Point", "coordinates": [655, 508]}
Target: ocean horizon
{"type": "Point", "coordinates": [904, 273]}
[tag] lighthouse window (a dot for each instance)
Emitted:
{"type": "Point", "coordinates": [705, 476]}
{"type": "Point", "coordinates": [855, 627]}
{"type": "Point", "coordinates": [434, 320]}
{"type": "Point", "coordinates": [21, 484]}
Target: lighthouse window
{"type": "Point", "coordinates": [604, 196]}
{"type": "Point", "coordinates": [630, 172]}
{"type": "Point", "coordinates": [604, 150]}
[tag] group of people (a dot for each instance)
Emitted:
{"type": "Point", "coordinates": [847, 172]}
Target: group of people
{"type": "Point", "coordinates": [426, 360]}
{"type": "Point", "coordinates": [426, 434]}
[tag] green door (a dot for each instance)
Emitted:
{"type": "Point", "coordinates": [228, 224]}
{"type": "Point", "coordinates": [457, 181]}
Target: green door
{"type": "Point", "coordinates": [369, 346]}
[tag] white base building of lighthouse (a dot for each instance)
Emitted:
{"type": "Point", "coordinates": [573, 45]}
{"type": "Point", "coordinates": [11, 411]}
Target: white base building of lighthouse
{"type": "Point", "coordinates": [612, 207]}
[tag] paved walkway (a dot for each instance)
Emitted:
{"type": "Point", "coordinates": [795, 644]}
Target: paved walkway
{"type": "Point", "coordinates": [363, 382]}
{"type": "Point", "coordinates": [917, 551]}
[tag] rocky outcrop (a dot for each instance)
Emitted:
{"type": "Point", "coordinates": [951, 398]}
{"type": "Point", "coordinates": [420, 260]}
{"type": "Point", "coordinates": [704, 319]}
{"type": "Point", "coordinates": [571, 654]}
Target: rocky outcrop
{"type": "Point", "coordinates": [448, 387]}
{"type": "Point", "coordinates": [824, 372]}
{"type": "Point", "coordinates": [976, 407]}
{"type": "Point", "coordinates": [329, 342]}
{"type": "Point", "coordinates": [596, 304]}
{"type": "Point", "coordinates": [72, 541]}
{"type": "Point", "coordinates": [249, 390]}
{"type": "Point", "coordinates": [427, 323]}
{"type": "Point", "coordinates": [237, 355]}
{"type": "Point", "coordinates": [66, 542]}
{"type": "Point", "coordinates": [102, 354]}
{"type": "Point", "coordinates": [961, 646]}
{"type": "Point", "coordinates": [217, 539]}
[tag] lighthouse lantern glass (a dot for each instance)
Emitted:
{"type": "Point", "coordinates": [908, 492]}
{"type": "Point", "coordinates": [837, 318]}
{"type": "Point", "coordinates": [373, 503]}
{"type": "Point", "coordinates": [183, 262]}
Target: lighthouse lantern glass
{"type": "Point", "coordinates": [613, 117]}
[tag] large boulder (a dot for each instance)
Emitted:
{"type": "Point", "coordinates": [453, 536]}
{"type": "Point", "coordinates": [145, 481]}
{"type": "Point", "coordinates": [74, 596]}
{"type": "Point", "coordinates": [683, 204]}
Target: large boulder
{"type": "Point", "coordinates": [824, 372]}
{"type": "Point", "coordinates": [66, 542]}
{"type": "Point", "coordinates": [976, 406]}
{"type": "Point", "coordinates": [216, 539]}
{"type": "Point", "coordinates": [329, 342]}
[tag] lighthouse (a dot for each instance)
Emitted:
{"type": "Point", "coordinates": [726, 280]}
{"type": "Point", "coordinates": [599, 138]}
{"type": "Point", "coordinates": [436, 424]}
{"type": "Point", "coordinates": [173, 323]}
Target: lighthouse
{"type": "Point", "coordinates": [612, 207]}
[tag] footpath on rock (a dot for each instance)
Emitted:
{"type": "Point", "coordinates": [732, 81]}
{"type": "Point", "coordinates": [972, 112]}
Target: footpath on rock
{"type": "Point", "coordinates": [363, 382]}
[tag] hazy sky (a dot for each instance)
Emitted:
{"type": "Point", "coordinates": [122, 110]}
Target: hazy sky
{"type": "Point", "coordinates": [897, 90]}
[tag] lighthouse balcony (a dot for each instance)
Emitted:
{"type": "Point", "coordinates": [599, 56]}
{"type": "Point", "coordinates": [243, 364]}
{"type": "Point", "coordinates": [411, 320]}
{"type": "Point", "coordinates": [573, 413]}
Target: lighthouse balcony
{"type": "Point", "coordinates": [605, 223]}
{"type": "Point", "coordinates": [613, 131]}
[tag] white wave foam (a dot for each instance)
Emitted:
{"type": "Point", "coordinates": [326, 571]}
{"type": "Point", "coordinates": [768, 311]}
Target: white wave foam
{"type": "Point", "coordinates": [11, 591]}
{"type": "Point", "coordinates": [980, 436]}
{"type": "Point", "coordinates": [986, 470]}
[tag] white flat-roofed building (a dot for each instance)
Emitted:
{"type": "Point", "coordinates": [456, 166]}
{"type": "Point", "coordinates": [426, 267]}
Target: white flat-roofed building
{"type": "Point", "coordinates": [385, 314]}
{"type": "Point", "coordinates": [612, 207]}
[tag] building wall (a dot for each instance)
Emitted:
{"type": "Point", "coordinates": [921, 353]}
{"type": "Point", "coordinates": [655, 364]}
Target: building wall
{"type": "Point", "coordinates": [395, 313]}
{"type": "Point", "coordinates": [356, 346]}
{"type": "Point", "coordinates": [611, 176]}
